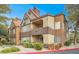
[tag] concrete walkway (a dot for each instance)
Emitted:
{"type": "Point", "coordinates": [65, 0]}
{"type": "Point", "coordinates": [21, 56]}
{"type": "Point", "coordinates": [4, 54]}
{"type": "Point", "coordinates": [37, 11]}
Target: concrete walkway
{"type": "Point", "coordinates": [70, 47]}
{"type": "Point", "coordinates": [28, 50]}
{"type": "Point", "coordinates": [22, 49]}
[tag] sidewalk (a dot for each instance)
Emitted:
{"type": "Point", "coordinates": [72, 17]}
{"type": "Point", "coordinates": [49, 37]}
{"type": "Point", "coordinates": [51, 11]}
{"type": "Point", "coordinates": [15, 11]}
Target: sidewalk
{"type": "Point", "coordinates": [44, 50]}
{"type": "Point", "coordinates": [33, 51]}
{"type": "Point", "coordinates": [70, 47]}
{"type": "Point", "coordinates": [28, 50]}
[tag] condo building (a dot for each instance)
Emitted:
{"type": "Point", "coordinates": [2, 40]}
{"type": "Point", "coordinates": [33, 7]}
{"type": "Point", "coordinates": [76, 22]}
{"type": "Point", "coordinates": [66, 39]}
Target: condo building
{"type": "Point", "coordinates": [46, 29]}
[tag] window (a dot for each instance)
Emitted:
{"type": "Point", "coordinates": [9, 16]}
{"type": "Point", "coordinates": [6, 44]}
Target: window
{"type": "Point", "coordinates": [57, 25]}
{"type": "Point", "coordinates": [57, 39]}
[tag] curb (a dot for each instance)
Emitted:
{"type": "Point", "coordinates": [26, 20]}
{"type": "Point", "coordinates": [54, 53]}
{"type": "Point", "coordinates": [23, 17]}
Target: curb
{"type": "Point", "coordinates": [42, 52]}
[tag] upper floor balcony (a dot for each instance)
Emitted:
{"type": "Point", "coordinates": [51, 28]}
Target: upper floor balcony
{"type": "Point", "coordinates": [37, 24]}
{"type": "Point", "coordinates": [39, 31]}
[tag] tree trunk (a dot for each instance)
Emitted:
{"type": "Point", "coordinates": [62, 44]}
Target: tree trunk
{"type": "Point", "coordinates": [75, 34]}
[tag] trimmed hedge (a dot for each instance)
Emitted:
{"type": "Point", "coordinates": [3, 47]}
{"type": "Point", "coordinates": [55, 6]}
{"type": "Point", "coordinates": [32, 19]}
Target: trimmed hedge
{"type": "Point", "coordinates": [38, 46]}
{"type": "Point", "coordinates": [10, 50]}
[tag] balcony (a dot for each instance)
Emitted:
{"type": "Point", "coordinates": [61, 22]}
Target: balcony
{"type": "Point", "coordinates": [37, 24]}
{"type": "Point", "coordinates": [39, 31]}
{"type": "Point", "coordinates": [12, 35]}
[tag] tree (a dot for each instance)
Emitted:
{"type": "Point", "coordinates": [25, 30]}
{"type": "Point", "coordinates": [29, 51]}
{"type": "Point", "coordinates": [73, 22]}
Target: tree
{"type": "Point", "coordinates": [4, 9]}
{"type": "Point", "coordinates": [73, 15]}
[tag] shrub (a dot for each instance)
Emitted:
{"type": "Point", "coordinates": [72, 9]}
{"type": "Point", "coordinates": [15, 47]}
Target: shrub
{"type": "Point", "coordinates": [10, 43]}
{"type": "Point", "coordinates": [60, 45]}
{"type": "Point", "coordinates": [77, 40]}
{"type": "Point", "coordinates": [14, 49]}
{"type": "Point", "coordinates": [51, 46]}
{"type": "Point", "coordinates": [57, 46]}
{"type": "Point", "coordinates": [38, 46]}
{"type": "Point", "coordinates": [25, 45]}
{"type": "Point", "coordinates": [9, 50]}
{"type": "Point", "coordinates": [28, 45]}
{"type": "Point", "coordinates": [67, 43]}
{"type": "Point", "coordinates": [26, 41]}
{"type": "Point", "coordinates": [3, 41]}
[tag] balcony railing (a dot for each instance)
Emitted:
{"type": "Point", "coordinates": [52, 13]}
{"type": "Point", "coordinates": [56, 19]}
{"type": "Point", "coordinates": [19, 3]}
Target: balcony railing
{"type": "Point", "coordinates": [39, 31]}
{"type": "Point", "coordinates": [12, 35]}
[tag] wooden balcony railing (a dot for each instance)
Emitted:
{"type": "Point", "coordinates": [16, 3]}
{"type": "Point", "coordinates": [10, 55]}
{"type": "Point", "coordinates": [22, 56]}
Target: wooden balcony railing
{"type": "Point", "coordinates": [39, 31]}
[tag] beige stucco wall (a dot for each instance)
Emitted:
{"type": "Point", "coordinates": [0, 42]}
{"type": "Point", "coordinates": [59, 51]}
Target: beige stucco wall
{"type": "Point", "coordinates": [26, 28]}
{"type": "Point", "coordinates": [45, 21]}
{"type": "Point", "coordinates": [48, 22]}
{"type": "Point", "coordinates": [27, 21]}
{"type": "Point", "coordinates": [31, 26]}
{"type": "Point", "coordinates": [32, 39]}
{"type": "Point", "coordinates": [48, 39]}
{"type": "Point", "coordinates": [57, 25]}
{"type": "Point", "coordinates": [51, 22]}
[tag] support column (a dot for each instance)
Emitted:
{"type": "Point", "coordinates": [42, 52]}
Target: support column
{"type": "Point", "coordinates": [32, 39]}
{"type": "Point", "coordinates": [18, 35]}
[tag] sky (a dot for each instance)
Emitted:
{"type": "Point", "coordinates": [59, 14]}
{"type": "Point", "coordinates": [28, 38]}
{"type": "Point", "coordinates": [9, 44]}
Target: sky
{"type": "Point", "coordinates": [18, 10]}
